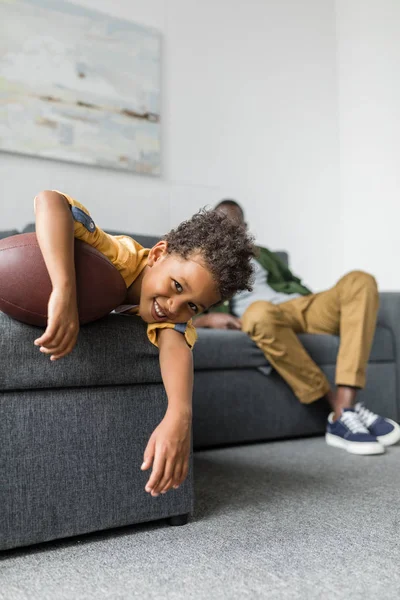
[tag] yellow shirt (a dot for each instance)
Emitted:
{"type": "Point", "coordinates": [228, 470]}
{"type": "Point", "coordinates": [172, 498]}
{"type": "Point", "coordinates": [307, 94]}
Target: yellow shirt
{"type": "Point", "coordinates": [127, 255]}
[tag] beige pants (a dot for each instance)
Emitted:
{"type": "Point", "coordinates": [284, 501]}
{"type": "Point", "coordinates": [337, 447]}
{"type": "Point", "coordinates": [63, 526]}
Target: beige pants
{"type": "Point", "coordinates": [349, 309]}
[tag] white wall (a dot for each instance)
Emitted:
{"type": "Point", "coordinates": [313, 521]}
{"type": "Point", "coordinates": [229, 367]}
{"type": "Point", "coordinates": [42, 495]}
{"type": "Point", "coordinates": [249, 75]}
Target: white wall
{"type": "Point", "coordinates": [253, 115]}
{"type": "Point", "coordinates": [369, 101]}
{"type": "Point", "coordinates": [249, 111]}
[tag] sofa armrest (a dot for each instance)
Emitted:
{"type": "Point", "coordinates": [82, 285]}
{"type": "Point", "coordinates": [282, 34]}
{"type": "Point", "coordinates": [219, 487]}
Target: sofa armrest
{"type": "Point", "coordinates": [389, 316]}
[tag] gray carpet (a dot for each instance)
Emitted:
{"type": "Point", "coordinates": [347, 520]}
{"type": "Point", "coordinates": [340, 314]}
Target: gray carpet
{"type": "Point", "coordinates": [285, 520]}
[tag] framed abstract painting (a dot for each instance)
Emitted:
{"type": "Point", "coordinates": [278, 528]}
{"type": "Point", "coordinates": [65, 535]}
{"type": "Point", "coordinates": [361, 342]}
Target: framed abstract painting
{"type": "Point", "coordinates": [80, 86]}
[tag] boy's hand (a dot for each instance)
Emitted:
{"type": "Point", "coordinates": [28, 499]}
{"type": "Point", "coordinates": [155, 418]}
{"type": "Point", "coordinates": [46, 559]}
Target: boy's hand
{"type": "Point", "coordinates": [62, 325]}
{"type": "Point", "coordinates": [168, 451]}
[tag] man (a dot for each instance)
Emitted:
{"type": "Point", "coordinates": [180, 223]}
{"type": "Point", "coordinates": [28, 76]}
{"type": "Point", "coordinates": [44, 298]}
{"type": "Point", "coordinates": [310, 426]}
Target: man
{"type": "Point", "coordinates": [279, 308]}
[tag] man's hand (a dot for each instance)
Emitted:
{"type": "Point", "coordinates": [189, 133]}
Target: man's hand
{"type": "Point", "coordinates": [62, 325]}
{"type": "Point", "coordinates": [218, 321]}
{"type": "Point", "coordinates": [168, 451]}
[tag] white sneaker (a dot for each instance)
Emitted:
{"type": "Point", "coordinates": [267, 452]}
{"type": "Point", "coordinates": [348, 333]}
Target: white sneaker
{"type": "Point", "coordinates": [350, 434]}
{"type": "Point", "coordinates": [386, 431]}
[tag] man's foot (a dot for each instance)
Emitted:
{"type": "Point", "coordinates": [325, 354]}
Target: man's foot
{"type": "Point", "coordinates": [350, 434]}
{"type": "Point", "coordinates": [386, 431]}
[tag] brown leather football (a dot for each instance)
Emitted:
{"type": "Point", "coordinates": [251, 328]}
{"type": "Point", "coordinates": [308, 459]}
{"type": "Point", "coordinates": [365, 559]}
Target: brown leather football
{"type": "Point", "coordinates": [25, 285]}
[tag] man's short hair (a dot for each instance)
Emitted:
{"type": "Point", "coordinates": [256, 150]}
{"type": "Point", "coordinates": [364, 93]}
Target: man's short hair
{"type": "Point", "coordinates": [230, 202]}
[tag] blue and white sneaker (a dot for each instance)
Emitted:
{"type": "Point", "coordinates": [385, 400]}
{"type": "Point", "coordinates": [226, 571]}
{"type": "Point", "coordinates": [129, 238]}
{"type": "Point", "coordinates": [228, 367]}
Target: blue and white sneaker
{"type": "Point", "coordinates": [386, 431]}
{"type": "Point", "coordinates": [350, 434]}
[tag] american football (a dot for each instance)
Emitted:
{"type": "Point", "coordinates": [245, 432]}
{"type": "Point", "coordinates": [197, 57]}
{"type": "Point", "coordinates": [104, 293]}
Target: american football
{"type": "Point", "coordinates": [25, 285]}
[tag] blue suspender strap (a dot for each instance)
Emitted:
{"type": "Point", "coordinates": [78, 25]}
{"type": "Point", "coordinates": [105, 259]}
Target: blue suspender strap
{"type": "Point", "coordinates": [181, 327]}
{"type": "Point", "coordinates": [86, 220]}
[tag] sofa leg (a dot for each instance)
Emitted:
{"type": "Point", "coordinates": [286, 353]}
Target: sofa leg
{"type": "Point", "coordinates": [178, 520]}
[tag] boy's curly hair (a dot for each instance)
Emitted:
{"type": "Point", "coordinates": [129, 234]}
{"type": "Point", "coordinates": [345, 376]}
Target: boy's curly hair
{"type": "Point", "coordinates": [225, 246]}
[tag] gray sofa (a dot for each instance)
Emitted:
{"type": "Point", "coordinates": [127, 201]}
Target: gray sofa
{"type": "Point", "coordinates": [73, 432]}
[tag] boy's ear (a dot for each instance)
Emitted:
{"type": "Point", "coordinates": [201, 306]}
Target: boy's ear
{"type": "Point", "coordinates": [157, 252]}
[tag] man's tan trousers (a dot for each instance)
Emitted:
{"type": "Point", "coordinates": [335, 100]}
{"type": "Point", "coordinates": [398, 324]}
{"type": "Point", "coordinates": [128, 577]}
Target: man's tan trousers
{"type": "Point", "coordinates": [349, 309]}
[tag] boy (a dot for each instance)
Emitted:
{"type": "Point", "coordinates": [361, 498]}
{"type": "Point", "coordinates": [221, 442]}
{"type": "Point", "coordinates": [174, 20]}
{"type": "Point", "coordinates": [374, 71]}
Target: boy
{"type": "Point", "coordinates": [201, 263]}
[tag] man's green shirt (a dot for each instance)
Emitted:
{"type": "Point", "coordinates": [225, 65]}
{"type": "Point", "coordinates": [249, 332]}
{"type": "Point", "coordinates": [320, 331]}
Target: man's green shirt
{"type": "Point", "coordinates": [278, 276]}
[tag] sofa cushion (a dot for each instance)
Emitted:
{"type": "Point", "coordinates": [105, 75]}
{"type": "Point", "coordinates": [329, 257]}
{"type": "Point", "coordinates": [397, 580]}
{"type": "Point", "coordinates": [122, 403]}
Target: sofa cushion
{"type": "Point", "coordinates": [147, 241]}
{"type": "Point", "coordinates": [284, 256]}
{"type": "Point", "coordinates": [324, 348]}
{"type": "Point", "coordinates": [112, 351]}
{"type": "Point", "coordinates": [29, 228]}
{"type": "Point", "coordinates": [116, 351]}
{"type": "Point", "coordinates": [225, 349]}
{"type": "Point", "coordinates": [8, 233]}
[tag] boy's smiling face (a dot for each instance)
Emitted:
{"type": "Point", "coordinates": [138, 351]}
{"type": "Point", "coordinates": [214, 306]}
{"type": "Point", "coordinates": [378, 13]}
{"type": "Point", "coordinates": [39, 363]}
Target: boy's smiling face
{"type": "Point", "coordinates": [175, 289]}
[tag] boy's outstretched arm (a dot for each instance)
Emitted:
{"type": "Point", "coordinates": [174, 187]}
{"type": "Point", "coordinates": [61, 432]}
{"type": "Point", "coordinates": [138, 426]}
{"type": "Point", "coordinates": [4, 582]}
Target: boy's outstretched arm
{"type": "Point", "coordinates": [55, 234]}
{"type": "Point", "coordinates": [168, 449]}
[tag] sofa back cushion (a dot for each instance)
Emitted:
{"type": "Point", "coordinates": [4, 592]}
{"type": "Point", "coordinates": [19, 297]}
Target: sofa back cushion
{"type": "Point", "coordinates": [147, 241]}
{"type": "Point", "coordinates": [7, 233]}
